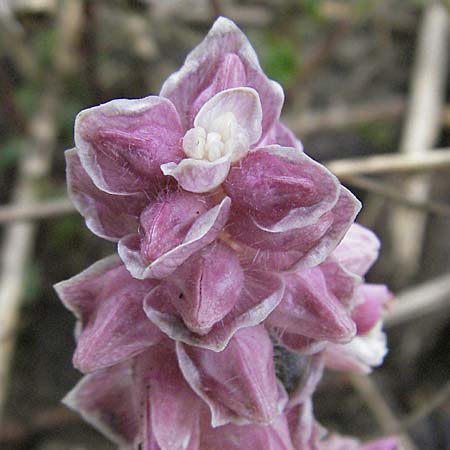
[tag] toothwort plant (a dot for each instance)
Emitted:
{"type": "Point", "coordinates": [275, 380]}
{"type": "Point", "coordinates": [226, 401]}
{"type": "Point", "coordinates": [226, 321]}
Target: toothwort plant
{"type": "Point", "coordinates": [231, 240]}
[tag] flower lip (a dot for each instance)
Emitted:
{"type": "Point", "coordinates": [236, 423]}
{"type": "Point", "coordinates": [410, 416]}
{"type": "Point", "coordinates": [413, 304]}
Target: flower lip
{"type": "Point", "coordinates": [224, 129]}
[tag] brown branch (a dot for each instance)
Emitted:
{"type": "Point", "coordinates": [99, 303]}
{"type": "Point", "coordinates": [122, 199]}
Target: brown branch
{"type": "Point", "coordinates": [14, 432]}
{"type": "Point", "coordinates": [89, 50]}
{"type": "Point", "coordinates": [13, 114]}
{"type": "Point", "coordinates": [365, 386]}
{"type": "Point", "coordinates": [338, 117]}
{"type": "Point", "coordinates": [391, 193]}
{"type": "Point", "coordinates": [18, 238]}
{"type": "Point", "coordinates": [39, 210]}
{"type": "Point", "coordinates": [391, 163]}
{"type": "Point", "coordinates": [421, 131]}
{"type": "Point", "coordinates": [417, 301]}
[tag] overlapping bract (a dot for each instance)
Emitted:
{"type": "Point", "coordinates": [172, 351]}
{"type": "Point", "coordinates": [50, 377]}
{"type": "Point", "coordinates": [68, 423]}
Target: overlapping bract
{"type": "Point", "coordinates": [228, 236]}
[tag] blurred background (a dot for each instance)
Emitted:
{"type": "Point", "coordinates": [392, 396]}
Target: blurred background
{"type": "Point", "coordinates": [366, 85]}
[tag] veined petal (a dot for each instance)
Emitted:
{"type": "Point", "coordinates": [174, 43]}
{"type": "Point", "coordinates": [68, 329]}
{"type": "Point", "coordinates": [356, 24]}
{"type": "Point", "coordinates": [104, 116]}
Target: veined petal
{"type": "Point", "coordinates": [372, 300]}
{"type": "Point", "coordinates": [310, 308]}
{"type": "Point", "coordinates": [198, 175]}
{"type": "Point", "coordinates": [281, 188]}
{"type": "Point", "coordinates": [242, 102]}
{"type": "Point", "coordinates": [108, 216]}
{"type": "Point", "coordinates": [301, 248]}
{"type": "Point", "coordinates": [202, 232]}
{"type": "Point", "coordinates": [108, 303]}
{"type": "Point", "coordinates": [238, 383]}
{"type": "Point", "coordinates": [199, 76]}
{"type": "Point", "coordinates": [171, 410]}
{"type": "Point", "coordinates": [280, 134]}
{"type": "Point", "coordinates": [359, 355]}
{"type": "Point", "coordinates": [206, 287]}
{"type": "Point", "coordinates": [274, 436]}
{"type": "Point", "coordinates": [123, 143]}
{"type": "Point", "coordinates": [165, 223]}
{"type": "Point", "coordinates": [358, 249]}
{"type": "Point", "coordinates": [105, 400]}
{"type": "Point", "coordinates": [261, 293]}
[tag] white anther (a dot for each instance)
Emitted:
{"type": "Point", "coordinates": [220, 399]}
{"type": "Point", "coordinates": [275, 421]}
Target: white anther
{"type": "Point", "coordinates": [194, 143]}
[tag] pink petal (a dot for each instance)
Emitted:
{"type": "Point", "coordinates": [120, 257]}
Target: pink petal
{"type": "Point", "coordinates": [198, 175]}
{"type": "Point", "coordinates": [249, 437]}
{"type": "Point", "coordinates": [238, 383]}
{"type": "Point", "coordinates": [202, 232]}
{"type": "Point", "coordinates": [170, 408]}
{"type": "Point", "coordinates": [359, 355]}
{"type": "Point", "coordinates": [302, 248]}
{"type": "Point", "coordinates": [243, 102]}
{"type": "Point", "coordinates": [202, 74]}
{"type": "Point", "coordinates": [105, 400]}
{"type": "Point", "coordinates": [106, 300]}
{"type": "Point", "coordinates": [165, 223]}
{"type": "Point", "coordinates": [108, 216]}
{"type": "Point", "coordinates": [261, 293]}
{"type": "Point", "coordinates": [206, 287]}
{"type": "Point", "coordinates": [123, 143]}
{"type": "Point", "coordinates": [280, 134]}
{"type": "Point", "coordinates": [358, 250]}
{"type": "Point", "coordinates": [305, 431]}
{"type": "Point", "coordinates": [310, 308]}
{"type": "Point", "coordinates": [281, 189]}
{"type": "Point", "coordinates": [230, 73]}
{"type": "Point", "coordinates": [373, 298]}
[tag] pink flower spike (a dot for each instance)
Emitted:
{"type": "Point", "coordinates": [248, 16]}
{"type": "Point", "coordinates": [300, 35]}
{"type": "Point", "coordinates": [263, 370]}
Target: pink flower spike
{"type": "Point", "coordinates": [107, 300]}
{"type": "Point", "coordinates": [239, 383]}
{"type": "Point", "coordinates": [123, 143]}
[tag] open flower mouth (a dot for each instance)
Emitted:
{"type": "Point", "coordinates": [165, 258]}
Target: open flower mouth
{"type": "Point", "coordinates": [224, 129]}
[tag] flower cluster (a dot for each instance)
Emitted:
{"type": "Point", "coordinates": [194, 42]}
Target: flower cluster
{"type": "Point", "coordinates": [230, 238]}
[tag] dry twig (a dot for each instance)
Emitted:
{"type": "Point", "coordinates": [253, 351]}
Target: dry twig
{"type": "Point", "coordinates": [19, 237]}
{"type": "Point", "coordinates": [390, 192]}
{"type": "Point", "coordinates": [392, 163]}
{"type": "Point", "coordinates": [423, 299]}
{"type": "Point", "coordinates": [421, 130]}
{"type": "Point", "coordinates": [338, 117]}
{"type": "Point", "coordinates": [369, 392]}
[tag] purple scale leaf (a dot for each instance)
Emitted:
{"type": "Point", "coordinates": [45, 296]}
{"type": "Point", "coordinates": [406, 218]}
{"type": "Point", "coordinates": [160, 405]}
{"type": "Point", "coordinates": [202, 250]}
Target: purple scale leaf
{"type": "Point", "coordinates": [202, 74]}
{"type": "Point", "coordinates": [123, 143]}
{"type": "Point", "coordinates": [108, 304]}
{"type": "Point", "coordinates": [238, 383]}
{"type": "Point", "coordinates": [261, 293]}
{"type": "Point", "coordinates": [108, 216]}
{"type": "Point", "coordinates": [203, 231]}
